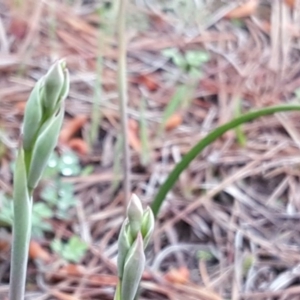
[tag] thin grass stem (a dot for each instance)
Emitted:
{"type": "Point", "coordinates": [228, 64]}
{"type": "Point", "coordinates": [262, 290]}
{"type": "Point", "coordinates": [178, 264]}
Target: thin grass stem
{"type": "Point", "coordinates": [123, 96]}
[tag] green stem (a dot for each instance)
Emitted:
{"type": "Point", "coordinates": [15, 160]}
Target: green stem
{"type": "Point", "coordinates": [19, 257]}
{"type": "Point", "coordinates": [21, 230]}
{"type": "Point", "coordinates": [118, 292]}
{"type": "Point", "coordinates": [211, 137]}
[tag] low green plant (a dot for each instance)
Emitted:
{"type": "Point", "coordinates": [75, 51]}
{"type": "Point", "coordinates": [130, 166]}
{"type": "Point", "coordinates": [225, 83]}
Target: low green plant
{"type": "Point", "coordinates": [73, 250]}
{"type": "Point", "coordinates": [40, 214]}
{"type": "Point", "coordinates": [191, 61]}
{"type": "Point", "coordinates": [6, 211]}
{"type": "Point", "coordinates": [60, 198]}
{"type": "Point", "coordinates": [67, 164]}
{"type": "Point", "coordinates": [57, 197]}
{"type": "Point", "coordinates": [134, 237]}
{"type": "Point", "coordinates": [43, 118]}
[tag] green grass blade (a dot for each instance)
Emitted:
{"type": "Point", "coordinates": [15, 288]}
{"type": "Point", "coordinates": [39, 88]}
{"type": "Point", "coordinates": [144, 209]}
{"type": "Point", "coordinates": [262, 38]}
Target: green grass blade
{"type": "Point", "coordinates": [240, 136]}
{"type": "Point", "coordinates": [211, 137]}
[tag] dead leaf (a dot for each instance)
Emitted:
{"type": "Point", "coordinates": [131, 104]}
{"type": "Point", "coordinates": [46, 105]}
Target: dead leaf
{"type": "Point", "coordinates": [4, 245]}
{"type": "Point", "coordinates": [71, 128]}
{"type": "Point", "coordinates": [36, 251]}
{"type": "Point", "coordinates": [102, 279]}
{"type": "Point", "coordinates": [148, 81]}
{"type": "Point", "coordinates": [245, 10]}
{"type": "Point", "coordinates": [20, 107]}
{"type": "Point", "coordinates": [133, 125]}
{"type": "Point", "coordinates": [72, 270]}
{"type": "Point", "coordinates": [174, 121]}
{"type": "Point", "coordinates": [290, 3]}
{"type": "Point", "coordinates": [133, 137]}
{"type": "Point", "coordinates": [180, 275]}
{"type": "Point", "coordinates": [18, 26]}
{"type": "Point", "coordinates": [79, 146]}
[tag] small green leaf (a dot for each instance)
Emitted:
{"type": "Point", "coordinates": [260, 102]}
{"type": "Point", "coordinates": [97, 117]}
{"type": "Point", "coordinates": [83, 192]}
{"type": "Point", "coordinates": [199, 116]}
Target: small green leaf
{"type": "Point", "coordinates": [180, 61]}
{"type": "Point", "coordinates": [89, 169]}
{"type": "Point", "coordinates": [42, 210]}
{"type": "Point", "coordinates": [52, 168]}
{"type": "Point", "coordinates": [40, 213]}
{"type": "Point", "coordinates": [195, 72]}
{"type": "Point", "coordinates": [196, 58]}
{"type": "Point", "coordinates": [73, 251]}
{"type": "Point", "coordinates": [170, 52]}
{"type": "Point", "coordinates": [6, 210]}
{"type": "Point", "coordinates": [56, 245]}
{"type": "Point", "coordinates": [69, 164]}
{"type": "Point", "coordinates": [205, 255]}
{"type": "Point", "coordinates": [49, 194]}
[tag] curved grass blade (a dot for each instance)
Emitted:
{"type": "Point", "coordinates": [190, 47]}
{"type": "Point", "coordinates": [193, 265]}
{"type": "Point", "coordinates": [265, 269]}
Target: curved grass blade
{"type": "Point", "coordinates": [211, 137]}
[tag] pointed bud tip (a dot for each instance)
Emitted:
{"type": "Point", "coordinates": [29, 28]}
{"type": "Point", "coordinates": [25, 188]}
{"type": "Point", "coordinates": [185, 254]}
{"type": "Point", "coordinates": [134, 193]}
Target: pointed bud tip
{"type": "Point", "coordinates": [56, 86]}
{"type": "Point", "coordinates": [135, 208]}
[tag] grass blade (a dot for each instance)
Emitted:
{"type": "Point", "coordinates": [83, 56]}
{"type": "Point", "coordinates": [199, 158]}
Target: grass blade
{"type": "Point", "coordinates": [210, 138]}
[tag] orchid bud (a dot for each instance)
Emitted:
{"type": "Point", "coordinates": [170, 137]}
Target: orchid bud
{"type": "Point", "coordinates": [56, 87]}
{"type": "Point", "coordinates": [133, 269]}
{"type": "Point", "coordinates": [135, 215]}
{"type": "Point", "coordinates": [43, 148]}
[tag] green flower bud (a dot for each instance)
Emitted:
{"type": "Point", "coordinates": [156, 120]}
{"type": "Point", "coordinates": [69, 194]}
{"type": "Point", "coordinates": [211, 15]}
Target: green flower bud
{"type": "Point", "coordinates": [45, 101]}
{"type": "Point", "coordinates": [56, 87]}
{"type": "Point", "coordinates": [44, 145]}
{"type": "Point", "coordinates": [135, 215]}
{"type": "Point", "coordinates": [148, 224]}
{"type": "Point", "coordinates": [124, 243]}
{"type": "Point", "coordinates": [133, 269]}
{"type": "Point", "coordinates": [32, 117]}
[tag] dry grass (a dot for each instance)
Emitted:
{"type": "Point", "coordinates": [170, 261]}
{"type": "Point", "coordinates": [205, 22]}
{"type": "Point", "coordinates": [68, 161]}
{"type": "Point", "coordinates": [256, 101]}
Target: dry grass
{"type": "Point", "coordinates": [230, 227]}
